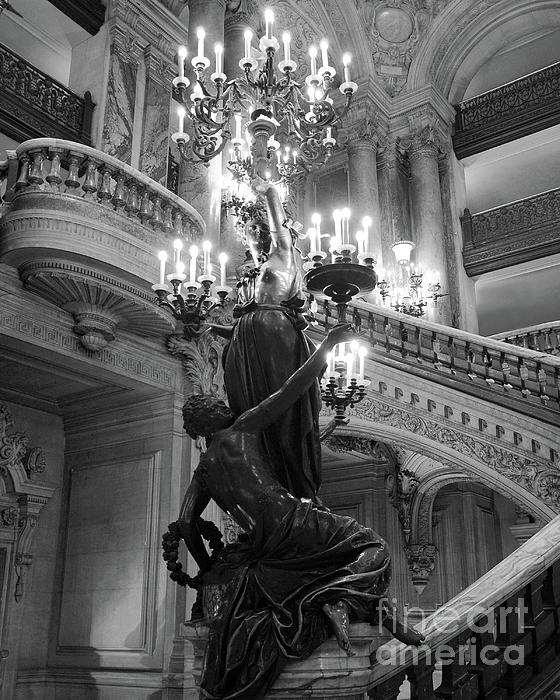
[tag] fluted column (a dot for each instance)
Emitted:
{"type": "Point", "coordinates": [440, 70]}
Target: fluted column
{"type": "Point", "coordinates": [200, 184]}
{"type": "Point", "coordinates": [427, 212]}
{"type": "Point", "coordinates": [363, 185]}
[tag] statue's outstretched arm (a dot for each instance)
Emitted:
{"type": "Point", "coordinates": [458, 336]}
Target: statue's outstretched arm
{"type": "Point", "coordinates": [281, 236]}
{"type": "Point", "coordinates": [270, 410]}
{"type": "Point", "coordinates": [195, 501]}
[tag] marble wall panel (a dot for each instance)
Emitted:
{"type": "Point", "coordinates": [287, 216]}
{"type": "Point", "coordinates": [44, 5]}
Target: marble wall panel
{"type": "Point", "coordinates": [155, 140]}
{"type": "Point", "coordinates": [120, 105]}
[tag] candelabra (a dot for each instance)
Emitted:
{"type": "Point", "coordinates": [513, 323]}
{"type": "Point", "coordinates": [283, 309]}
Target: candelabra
{"type": "Point", "coordinates": [264, 92]}
{"type": "Point", "coordinates": [342, 278]}
{"type": "Point", "coordinates": [341, 387]}
{"type": "Point", "coordinates": [192, 308]}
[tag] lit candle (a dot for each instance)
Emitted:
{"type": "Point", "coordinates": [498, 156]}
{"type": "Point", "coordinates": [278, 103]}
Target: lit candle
{"type": "Point", "coordinates": [286, 37]}
{"type": "Point", "coordinates": [219, 51]}
{"type": "Point", "coordinates": [311, 233]}
{"type": "Point", "coordinates": [346, 62]}
{"type": "Point", "coordinates": [354, 352]}
{"type": "Point", "coordinates": [181, 111]}
{"type": "Point", "coordinates": [238, 119]}
{"type": "Point", "coordinates": [316, 221]}
{"type": "Point", "coordinates": [200, 34]}
{"type": "Point", "coordinates": [269, 19]}
{"type": "Point", "coordinates": [278, 157]}
{"type": "Point", "coordinates": [360, 238]}
{"type": "Point", "coordinates": [366, 223]}
{"type": "Point", "coordinates": [162, 255]}
{"type": "Point", "coordinates": [313, 57]}
{"type": "Point", "coordinates": [223, 260]}
{"type": "Point", "coordinates": [324, 55]}
{"type": "Point", "coordinates": [362, 352]}
{"type": "Point", "coordinates": [177, 248]}
{"type": "Point", "coordinates": [248, 38]}
{"type": "Point", "coordinates": [337, 216]}
{"type": "Point", "coordinates": [346, 225]}
{"type": "Point", "coordinates": [194, 254]}
{"type": "Point", "coordinates": [329, 133]}
{"type": "Point", "coordinates": [334, 242]}
{"type": "Point", "coordinates": [206, 248]}
{"type": "Point", "coordinates": [349, 367]}
{"type": "Point", "coordinates": [181, 55]}
{"type": "Point", "coordinates": [294, 156]}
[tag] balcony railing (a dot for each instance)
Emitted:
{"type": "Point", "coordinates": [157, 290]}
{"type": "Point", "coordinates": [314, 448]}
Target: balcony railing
{"type": "Point", "coordinates": [514, 233]}
{"type": "Point", "coordinates": [544, 337]}
{"type": "Point", "coordinates": [509, 112]}
{"type": "Point", "coordinates": [34, 105]}
{"type": "Point", "coordinates": [513, 377]}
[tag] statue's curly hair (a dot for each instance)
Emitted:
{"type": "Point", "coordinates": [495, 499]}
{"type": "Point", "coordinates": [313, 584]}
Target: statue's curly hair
{"type": "Point", "coordinates": [202, 412]}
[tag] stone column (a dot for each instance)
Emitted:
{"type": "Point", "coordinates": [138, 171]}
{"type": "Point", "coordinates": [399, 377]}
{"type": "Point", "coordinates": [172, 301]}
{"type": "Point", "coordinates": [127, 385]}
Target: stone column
{"type": "Point", "coordinates": [363, 186]}
{"type": "Point", "coordinates": [431, 253]}
{"type": "Point", "coordinates": [154, 145]}
{"type": "Point", "coordinates": [199, 183]}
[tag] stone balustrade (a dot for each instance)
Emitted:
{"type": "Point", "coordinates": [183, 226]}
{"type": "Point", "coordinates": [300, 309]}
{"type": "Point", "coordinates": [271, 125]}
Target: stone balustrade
{"type": "Point", "coordinates": [498, 638]}
{"type": "Point", "coordinates": [83, 230]}
{"type": "Point", "coordinates": [502, 373]}
{"type": "Point", "coordinates": [521, 107]}
{"type": "Point", "coordinates": [544, 337]}
{"type": "Point", "coordinates": [511, 234]}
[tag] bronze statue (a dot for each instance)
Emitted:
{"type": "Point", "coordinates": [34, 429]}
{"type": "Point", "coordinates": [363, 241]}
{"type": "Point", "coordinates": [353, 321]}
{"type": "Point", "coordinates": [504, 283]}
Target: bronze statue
{"type": "Point", "coordinates": [267, 345]}
{"type": "Point", "coordinates": [300, 573]}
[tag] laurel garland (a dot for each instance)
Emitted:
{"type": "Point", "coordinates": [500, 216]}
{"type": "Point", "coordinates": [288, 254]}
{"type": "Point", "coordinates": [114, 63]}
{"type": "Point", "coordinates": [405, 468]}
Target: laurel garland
{"type": "Point", "coordinates": [170, 545]}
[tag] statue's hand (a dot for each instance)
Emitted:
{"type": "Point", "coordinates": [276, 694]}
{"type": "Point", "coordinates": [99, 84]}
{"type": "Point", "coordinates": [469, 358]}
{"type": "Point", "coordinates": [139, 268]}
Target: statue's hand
{"type": "Point", "coordinates": [261, 185]}
{"type": "Point", "coordinates": [342, 333]}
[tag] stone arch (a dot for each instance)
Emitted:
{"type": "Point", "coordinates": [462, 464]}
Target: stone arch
{"type": "Point", "coordinates": [524, 490]}
{"type": "Point", "coordinates": [465, 36]}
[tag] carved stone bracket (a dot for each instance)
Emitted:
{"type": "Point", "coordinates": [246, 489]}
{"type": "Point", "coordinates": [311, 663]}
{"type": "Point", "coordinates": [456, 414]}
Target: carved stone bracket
{"type": "Point", "coordinates": [402, 486]}
{"type": "Point", "coordinates": [421, 562]}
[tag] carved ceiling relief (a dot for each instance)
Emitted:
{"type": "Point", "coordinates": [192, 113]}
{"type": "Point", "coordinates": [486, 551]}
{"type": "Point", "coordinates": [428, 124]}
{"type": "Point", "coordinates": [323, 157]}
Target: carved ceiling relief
{"type": "Point", "coordinates": [394, 28]}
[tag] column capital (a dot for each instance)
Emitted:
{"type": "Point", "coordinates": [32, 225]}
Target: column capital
{"type": "Point", "coordinates": [426, 141]}
{"type": "Point", "coordinates": [239, 13]}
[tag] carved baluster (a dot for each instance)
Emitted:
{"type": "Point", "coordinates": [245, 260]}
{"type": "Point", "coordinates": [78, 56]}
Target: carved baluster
{"type": "Point", "coordinates": [178, 225]}
{"type": "Point", "coordinates": [418, 335]}
{"type": "Point", "coordinates": [73, 181]}
{"type": "Point", "coordinates": [53, 178]}
{"type": "Point", "coordinates": [36, 174]}
{"type": "Point", "coordinates": [133, 202]}
{"type": "Point", "coordinates": [487, 362]}
{"type": "Point", "coordinates": [470, 358]}
{"type": "Point", "coordinates": [104, 184]}
{"type": "Point", "coordinates": [90, 184]}
{"type": "Point", "coordinates": [145, 212]}
{"type": "Point", "coordinates": [542, 378]}
{"type": "Point", "coordinates": [548, 347]}
{"type": "Point", "coordinates": [22, 180]}
{"type": "Point", "coordinates": [120, 195]}
{"type": "Point", "coordinates": [371, 328]}
{"type": "Point", "coordinates": [168, 219]}
{"type": "Point", "coordinates": [403, 335]}
{"type": "Point", "coordinates": [387, 331]}
{"type": "Point", "coordinates": [506, 369]}
{"type": "Point", "coordinates": [451, 351]}
{"type": "Point", "coordinates": [523, 372]}
{"type": "Point", "coordinates": [436, 349]}
{"type": "Point", "coordinates": [157, 220]}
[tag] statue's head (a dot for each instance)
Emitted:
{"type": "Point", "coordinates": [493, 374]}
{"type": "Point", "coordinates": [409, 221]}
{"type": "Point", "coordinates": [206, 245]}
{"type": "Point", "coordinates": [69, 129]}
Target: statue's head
{"type": "Point", "coordinates": [204, 415]}
{"type": "Point", "coordinates": [255, 230]}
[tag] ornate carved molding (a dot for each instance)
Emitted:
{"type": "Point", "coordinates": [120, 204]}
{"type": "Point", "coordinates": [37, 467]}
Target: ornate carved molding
{"type": "Point", "coordinates": [514, 233]}
{"type": "Point", "coordinates": [509, 112]}
{"type": "Point", "coordinates": [539, 477]}
{"type": "Point", "coordinates": [402, 486]}
{"type": "Point", "coordinates": [34, 104]}
{"type": "Point", "coordinates": [421, 562]}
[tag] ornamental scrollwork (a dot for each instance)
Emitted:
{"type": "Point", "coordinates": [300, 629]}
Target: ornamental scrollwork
{"type": "Point", "coordinates": [402, 486]}
{"type": "Point", "coordinates": [421, 562]}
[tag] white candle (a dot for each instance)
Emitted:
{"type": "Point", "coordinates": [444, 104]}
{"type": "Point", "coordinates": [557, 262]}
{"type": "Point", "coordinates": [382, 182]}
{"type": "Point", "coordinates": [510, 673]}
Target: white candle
{"type": "Point", "coordinates": [346, 62]}
{"type": "Point", "coordinates": [324, 55]}
{"type": "Point", "coordinates": [360, 240]}
{"type": "Point", "coordinates": [194, 254]}
{"type": "Point", "coordinates": [206, 247]}
{"type": "Point", "coordinates": [362, 352]}
{"type": "Point", "coordinates": [316, 221]}
{"type": "Point", "coordinates": [269, 19]}
{"type": "Point", "coordinates": [294, 156]}
{"type": "Point", "coordinates": [334, 242]}
{"type": "Point", "coordinates": [349, 367]}
{"type": "Point", "coordinates": [223, 260]}
{"type": "Point", "coordinates": [238, 119]}
{"type": "Point", "coordinates": [248, 38]}
{"type": "Point", "coordinates": [354, 352]}
{"type": "Point", "coordinates": [218, 51]}
{"type": "Point", "coordinates": [311, 235]}
{"type": "Point", "coordinates": [313, 57]}
{"type": "Point", "coordinates": [337, 216]}
{"type": "Point", "coordinates": [177, 248]}
{"type": "Point", "coordinates": [181, 114]}
{"type": "Point", "coordinates": [286, 37]}
{"type": "Point", "coordinates": [346, 225]}
{"type": "Point", "coordinates": [181, 55]}
{"type": "Point", "coordinates": [329, 132]}
{"type": "Point", "coordinates": [366, 223]}
{"type": "Point", "coordinates": [200, 34]}
{"type": "Point", "coordinates": [278, 157]}
{"type": "Point", "coordinates": [162, 255]}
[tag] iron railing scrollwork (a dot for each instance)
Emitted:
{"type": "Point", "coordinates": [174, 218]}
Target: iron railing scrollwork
{"type": "Point", "coordinates": [34, 104]}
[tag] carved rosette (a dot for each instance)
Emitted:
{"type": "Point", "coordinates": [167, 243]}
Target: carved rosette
{"type": "Point", "coordinates": [421, 562]}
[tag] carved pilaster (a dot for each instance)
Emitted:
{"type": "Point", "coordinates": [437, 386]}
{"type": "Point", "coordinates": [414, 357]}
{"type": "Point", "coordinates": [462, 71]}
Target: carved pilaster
{"type": "Point", "coordinates": [402, 486]}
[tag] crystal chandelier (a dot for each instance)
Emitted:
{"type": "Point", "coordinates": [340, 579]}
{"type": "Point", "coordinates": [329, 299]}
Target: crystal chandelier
{"type": "Point", "coordinates": [302, 113]}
